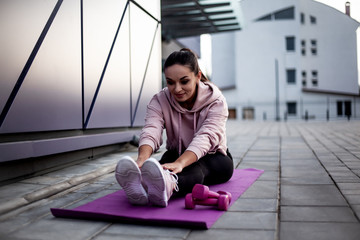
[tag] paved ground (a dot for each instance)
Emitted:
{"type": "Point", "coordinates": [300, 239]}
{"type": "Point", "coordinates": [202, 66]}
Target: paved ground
{"type": "Point", "coordinates": [310, 190]}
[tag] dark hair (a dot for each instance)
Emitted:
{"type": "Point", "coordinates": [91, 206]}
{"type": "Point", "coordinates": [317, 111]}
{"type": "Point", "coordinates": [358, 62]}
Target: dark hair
{"type": "Point", "coordinates": [185, 57]}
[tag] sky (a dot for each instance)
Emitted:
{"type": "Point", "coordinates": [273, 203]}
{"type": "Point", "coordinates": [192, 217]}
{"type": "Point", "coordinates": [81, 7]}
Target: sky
{"type": "Point", "coordinates": [354, 13]}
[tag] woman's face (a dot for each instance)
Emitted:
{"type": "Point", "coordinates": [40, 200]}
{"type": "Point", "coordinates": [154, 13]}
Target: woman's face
{"type": "Point", "coordinates": [182, 82]}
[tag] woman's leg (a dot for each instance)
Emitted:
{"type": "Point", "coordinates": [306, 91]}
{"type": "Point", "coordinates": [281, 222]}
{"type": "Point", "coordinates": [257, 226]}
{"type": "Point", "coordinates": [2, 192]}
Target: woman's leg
{"type": "Point", "coordinates": [210, 169]}
{"type": "Point", "coordinates": [217, 168]}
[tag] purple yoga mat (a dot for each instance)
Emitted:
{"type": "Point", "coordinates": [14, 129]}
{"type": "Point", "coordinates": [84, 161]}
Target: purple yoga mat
{"type": "Point", "coordinates": [115, 207]}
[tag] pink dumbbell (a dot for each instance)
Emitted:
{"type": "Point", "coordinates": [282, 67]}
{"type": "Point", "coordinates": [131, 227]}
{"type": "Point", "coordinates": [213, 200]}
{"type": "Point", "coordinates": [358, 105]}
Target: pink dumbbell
{"type": "Point", "coordinates": [222, 202]}
{"type": "Point", "coordinates": [202, 192]}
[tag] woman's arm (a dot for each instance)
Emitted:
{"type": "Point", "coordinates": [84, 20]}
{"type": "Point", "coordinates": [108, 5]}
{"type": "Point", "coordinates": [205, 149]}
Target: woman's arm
{"type": "Point", "coordinates": [144, 153]}
{"type": "Point", "coordinates": [186, 159]}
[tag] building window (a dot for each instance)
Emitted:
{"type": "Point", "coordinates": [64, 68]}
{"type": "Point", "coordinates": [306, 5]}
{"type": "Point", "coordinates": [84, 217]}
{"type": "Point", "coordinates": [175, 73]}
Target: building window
{"type": "Point", "coordinates": [303, 74]}
{"type": "Point", "coordinates": [339, 105]}
{"type": "Point", "coordinates": [314, 78]}
{"type": "Point", "coordinates": [232, 113]}
{"type": "Point", "coordinates": [312, 20]}
{"type": "Point", "coordinates": [248, 113]}
{"type": "Point", "coordinates": [287, 13]}
{"type": "Point", "coordinates": [347, 108]}
{"type": "Point", "coordinates": [343, 108]}
{"type": "Point", "coordinates": [290, 43]}
{"type": "Point", "coordinates": [303, 47]}
{"type": "Point", "coordinates": [313, 47]}
{"type": "Point", "coordinates": [291, 108]}
{"type": "Point", "coordinates": [302, 18]}
{"type": "Point", "coordinates": [291, 76]}
{"type": "Point", "coordinates": [265, 18]}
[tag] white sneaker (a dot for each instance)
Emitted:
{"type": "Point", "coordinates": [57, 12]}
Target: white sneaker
{"type": "Point", "coordinates": [160, 183]}
{"type": "Point", "coordinates": [128, 175]}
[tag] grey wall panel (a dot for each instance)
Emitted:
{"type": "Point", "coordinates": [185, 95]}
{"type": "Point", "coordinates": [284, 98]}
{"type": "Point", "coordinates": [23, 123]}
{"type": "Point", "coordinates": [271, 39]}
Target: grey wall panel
{"type": "Point", "coordinates": [152, 81]}
{"type": "Point", "coordinates": [143, 32]}
{"type": "Point", "coordinates": [112, 106]}
{"type": "Point", "coordinates": [20, 27]}
{"type": "Point", "coordinates": [50, 96]}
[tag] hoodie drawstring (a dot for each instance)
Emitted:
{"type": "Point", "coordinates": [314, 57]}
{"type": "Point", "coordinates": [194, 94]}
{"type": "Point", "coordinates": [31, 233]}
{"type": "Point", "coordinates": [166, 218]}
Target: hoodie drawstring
{"type": "Point", "coordinates": [194, 123]}
{"type": "Point", "coordinates": [179, 132]}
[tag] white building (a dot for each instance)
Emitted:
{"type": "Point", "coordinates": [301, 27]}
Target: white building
{"type": "Point", "coordinates": [293, 59]}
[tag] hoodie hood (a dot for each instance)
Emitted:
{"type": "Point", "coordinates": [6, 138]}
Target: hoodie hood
{"type": "Point", "coordinates": [201, 129]}
{"type": "Point", "coordinates": [207, 93]}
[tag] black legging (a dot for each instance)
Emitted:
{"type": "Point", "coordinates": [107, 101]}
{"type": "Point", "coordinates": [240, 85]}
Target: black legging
{"type": "Point", "coordinates": [210, 169]}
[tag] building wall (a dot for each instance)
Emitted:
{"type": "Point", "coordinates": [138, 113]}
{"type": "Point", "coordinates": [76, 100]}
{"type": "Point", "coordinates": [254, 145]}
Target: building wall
{"type": "Point", "coordinates": [262, 60]}
{"type": "Point", "coordinates": [76, 66]}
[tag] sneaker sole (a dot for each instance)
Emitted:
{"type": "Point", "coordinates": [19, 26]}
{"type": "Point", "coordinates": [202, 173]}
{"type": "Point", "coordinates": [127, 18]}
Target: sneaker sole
{"type": "Point", "coordinates": [128, 176]}
{"type": "Point", "coordinates": [153, 178]}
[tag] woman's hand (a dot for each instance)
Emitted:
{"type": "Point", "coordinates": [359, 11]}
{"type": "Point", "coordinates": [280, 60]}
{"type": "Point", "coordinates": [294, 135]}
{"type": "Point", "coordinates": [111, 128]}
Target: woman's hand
{"type": "Point", "coordinates": [175, 167]}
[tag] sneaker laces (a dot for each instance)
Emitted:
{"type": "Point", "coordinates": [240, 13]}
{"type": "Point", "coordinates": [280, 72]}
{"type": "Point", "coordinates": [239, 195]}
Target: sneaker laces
{"type": "Point", "coordinates": [174, 179]}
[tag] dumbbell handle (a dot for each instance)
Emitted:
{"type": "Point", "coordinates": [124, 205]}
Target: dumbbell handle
{"type": "Point", "coordinates": [203, 192]}
{"type": "Point", "coordinates": [222, 203]}
{"type": "Point", "coordinates": [207, 202]}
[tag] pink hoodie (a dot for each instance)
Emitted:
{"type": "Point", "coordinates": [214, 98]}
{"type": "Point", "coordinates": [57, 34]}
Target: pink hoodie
{"type": "Point", "coordinates": [201, 130]}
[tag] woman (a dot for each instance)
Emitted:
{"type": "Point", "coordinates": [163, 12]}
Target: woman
{"type": "Point", "coordinates": [194, 113]}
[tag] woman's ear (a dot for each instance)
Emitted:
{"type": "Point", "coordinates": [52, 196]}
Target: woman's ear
{"type": "Point", "coordinates": [198, 77]}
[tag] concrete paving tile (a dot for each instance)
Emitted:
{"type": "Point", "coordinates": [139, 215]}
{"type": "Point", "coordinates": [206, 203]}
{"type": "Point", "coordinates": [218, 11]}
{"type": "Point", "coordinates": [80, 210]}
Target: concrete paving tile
{"type": "Point", "coordinates": [319, 231]}
{"type": "Point", "coordinates": [306, 180]}
{"type": "Point", "coordinates": [106, 179]}
{"type": "Point", "coordinates": [319, 195]}
{"type": "Point", "coordinates": [344, 173]}
{"type": "Point", "coordinates": [254, 205]}
{"type": "Point", "coordinates": [270, 154]}
{"type": "Point", "coordinates": [267, 166]}
{"type": "Point", "coordinates": [316, 214]}
{"type": "Point", "coordinates": [17, 190]}
{"type": "Point", "coordinates": [349, 186]}
{"type": "Point", "coordinates": [90, 198]}
{"type": "Point", "coordinates": [248, 158]}
{"type": "Point", "coordinates": [226, 234]}
{"type": "Point", "coordinates": [148, 231]}
{"type": "Point", "coordinates": [297, 157]}
{"type": "Point", "coordinates": [306, 171]}
{"type": "Point", "coordinates": [91, 188]}
{"type": "Point", "coordinates": [126, 237]}
{"type": "Point", "coordinates": [57, 228]}
{"type": "Point", "coordinates": [353, 198]}
{"type": "Point", "coordinates": [337, 169]}
{"type": "Point", "coordinates": [300, 163]}
{"type": "Point", "coordinates": [76, 170]}
{"type": "Point", "coordinates": [351, 191]}
{"type": "Point", "coordinates": [247, 220]}
{"type": "Point", "coordinates": [346, 179]}
{"type": "Point", "coordinates": [43, 180]}
{"type": "Point", "coordinates": [356, 209]}
{"type": "Point", "coordinates": [269, 176]}
{"type": "Point", "coordinates": [262, 189]}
